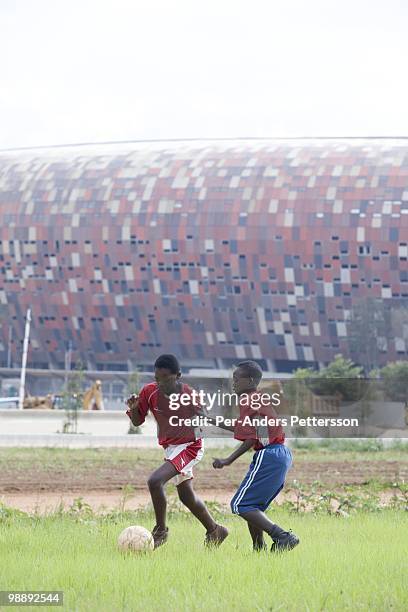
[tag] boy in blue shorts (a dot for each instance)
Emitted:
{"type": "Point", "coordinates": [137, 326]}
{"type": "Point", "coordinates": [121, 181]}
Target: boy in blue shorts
{"type": "Point", "coordinates": [271, 461]}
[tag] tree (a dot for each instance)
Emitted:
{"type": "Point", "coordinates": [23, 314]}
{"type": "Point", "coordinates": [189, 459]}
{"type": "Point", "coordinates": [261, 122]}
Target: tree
{"type": "Point", "coordinates": [72, 400]}
{"type": "Point", "coordinates": [399, 322]}
{"type": "Point", "coordinates": [395, 381]}
{"type": "Point", "coordinates": [341, 367]}
{"type": "Point", "coordinates": [369, 331]}
{"type": "Point", "coordinates": [299, 396]}
{"type": "Point", "coordinates": [341, 378]}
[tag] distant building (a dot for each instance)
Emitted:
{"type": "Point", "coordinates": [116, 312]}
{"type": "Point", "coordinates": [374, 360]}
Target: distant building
{"type": "Point", "coordinates": [216, 251]}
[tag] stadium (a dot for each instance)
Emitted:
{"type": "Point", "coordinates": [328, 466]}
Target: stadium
{"type": "Point", "coordinates": [204, 306]}
{"type": "Point", "coordinates": [213, 250]}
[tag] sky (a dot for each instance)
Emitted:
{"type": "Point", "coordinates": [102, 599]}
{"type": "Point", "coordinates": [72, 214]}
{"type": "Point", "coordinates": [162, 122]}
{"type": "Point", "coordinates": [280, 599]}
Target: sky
{"type": "Point", "coordinates": [76, 71]}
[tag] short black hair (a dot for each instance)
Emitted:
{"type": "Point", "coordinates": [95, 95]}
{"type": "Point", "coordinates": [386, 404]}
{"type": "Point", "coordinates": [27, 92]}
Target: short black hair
{"type": "Point", "coordinates": [170, 362]}
{"type": "Point", "coordinates": [252, 369]}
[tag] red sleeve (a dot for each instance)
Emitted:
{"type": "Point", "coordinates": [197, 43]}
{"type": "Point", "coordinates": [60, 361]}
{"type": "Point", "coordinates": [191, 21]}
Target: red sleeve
{"type": "Point", "coordinates": [143, 407]}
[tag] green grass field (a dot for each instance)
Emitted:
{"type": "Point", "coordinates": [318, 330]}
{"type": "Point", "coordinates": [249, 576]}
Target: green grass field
{"type": "Point", "coordinates": [355, 563]}
{"type": "Point", "coordinates": [352, 561]}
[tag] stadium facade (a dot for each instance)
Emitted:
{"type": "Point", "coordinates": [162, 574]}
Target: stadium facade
{"type": "Point", "coordinates": [216, 251]}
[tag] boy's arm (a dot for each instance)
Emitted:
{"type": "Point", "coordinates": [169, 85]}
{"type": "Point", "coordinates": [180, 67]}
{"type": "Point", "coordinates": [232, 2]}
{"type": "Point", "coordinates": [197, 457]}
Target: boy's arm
{"type": "Point", "coordinates": [137, 410]}
{"type": "Point", "coordinates": [204, 413]}
{"type": "Point", "coordinates": [243, 448]}
{"type": "Point", "coordinates": [212, 421]}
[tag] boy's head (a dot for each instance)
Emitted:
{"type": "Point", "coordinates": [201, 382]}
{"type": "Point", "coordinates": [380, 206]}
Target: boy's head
{"type": "Point", "coordinates": [167, 372]}
{"type": "Point", "coordinates": [246, 377]}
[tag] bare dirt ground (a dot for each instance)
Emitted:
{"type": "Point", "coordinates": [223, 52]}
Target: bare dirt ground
{"type": "Point", "coordinates": [48, 502]}
{"type": "Point", "coordinates": [98, 500]}
{"type": "Point", "coordinates": [14, 479]}
{"type": "Point", "coordinates": [43, 485]}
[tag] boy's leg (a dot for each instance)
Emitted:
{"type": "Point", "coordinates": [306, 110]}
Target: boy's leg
{"type": "Point", "coordinates": [259, 521]}
{"type": "Point", "coordinates": [282, 540]}
{"type": "Point", "coordinates": [260, 486]}
{"type": "Point", "coordinates": [257, 537]}
{"type": "Point", "coordinates": [196, 506]}
{"type": "Point", "coordinates": [156, 484]}
{"type": "Point", "coordinates": [215, 533]}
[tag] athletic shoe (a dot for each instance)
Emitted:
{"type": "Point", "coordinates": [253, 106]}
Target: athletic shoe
{"type": "Point", "coordinates": [160, 536]}
{"type": "Point", "coordinates": [285, 542]}
{"type": "Point", "coordinates": [216, 536]}
{"type": "Point", "coordinates": [260, 547]}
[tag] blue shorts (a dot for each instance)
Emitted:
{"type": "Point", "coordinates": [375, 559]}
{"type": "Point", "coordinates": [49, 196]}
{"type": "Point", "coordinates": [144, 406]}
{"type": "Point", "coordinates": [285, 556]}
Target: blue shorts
{"type": "Point", "coordinates": [264, 480]}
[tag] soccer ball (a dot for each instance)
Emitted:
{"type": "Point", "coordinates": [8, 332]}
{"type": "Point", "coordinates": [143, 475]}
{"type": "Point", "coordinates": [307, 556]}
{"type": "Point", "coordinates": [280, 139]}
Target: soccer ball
{"type": "Point", "coordinates": [135, 538]}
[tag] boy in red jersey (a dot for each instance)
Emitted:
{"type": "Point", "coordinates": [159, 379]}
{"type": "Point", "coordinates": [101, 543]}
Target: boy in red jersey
{"type": "Point", "coordinates": [271, 461]}
{"type": "Point", "coordinates": [183, 448]}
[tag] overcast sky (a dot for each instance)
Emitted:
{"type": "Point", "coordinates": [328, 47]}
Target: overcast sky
{"type": "Point", "coordinates": [98, 70]}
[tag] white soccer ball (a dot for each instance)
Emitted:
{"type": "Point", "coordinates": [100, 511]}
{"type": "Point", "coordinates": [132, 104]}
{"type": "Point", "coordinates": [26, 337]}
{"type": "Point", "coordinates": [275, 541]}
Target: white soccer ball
{"type": "Point", "coordinates": [135, 538]}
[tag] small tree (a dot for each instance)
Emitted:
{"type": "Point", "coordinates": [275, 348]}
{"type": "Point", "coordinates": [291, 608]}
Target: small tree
{"type": "Point", "coordinates": [299, 396]}
{"type": "Point", "coordinates": [341, 378]}
{"type": "Point", "coordinates": [399, 321]}
{"type": "Point", "coordinates": [72, 400]}
{"type": "Point", "coordinates": [395, 381]}
{"type": "Point", "coordinates": [369, 331]}
{"type": "Point", "coordinates": [341, 367]}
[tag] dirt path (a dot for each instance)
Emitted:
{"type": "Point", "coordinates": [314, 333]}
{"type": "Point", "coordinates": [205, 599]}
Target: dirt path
{"type": "Point", "coordinates": [98, 500]}
{"type": "Point", "coordinates": [48, 502]}
{"type": "Point", "coordinates": [83, 478]}
{"type": "Point", "coordinates": [42, 479]}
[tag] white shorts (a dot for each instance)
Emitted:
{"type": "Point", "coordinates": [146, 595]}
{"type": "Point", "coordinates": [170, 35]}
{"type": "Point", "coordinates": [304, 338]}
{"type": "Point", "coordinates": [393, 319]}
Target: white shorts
{"type": "Point", "coordinates": [184, 457]}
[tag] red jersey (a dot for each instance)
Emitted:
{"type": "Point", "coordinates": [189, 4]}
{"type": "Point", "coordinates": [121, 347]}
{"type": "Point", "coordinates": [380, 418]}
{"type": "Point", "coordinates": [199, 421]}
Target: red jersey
{"type": "Point", "coordinates": [151, 398]}
{"type": "Point", "coordinates": [262, 434]}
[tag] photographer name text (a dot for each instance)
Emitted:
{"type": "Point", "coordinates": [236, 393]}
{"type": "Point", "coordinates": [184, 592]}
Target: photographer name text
{"type": "Point", "coordinates": [292, 421]}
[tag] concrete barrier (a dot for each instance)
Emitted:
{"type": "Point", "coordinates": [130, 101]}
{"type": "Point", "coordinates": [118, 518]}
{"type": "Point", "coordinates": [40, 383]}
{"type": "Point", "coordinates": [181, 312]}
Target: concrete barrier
{"type": "Point", "coordinates": [104, 422]}
{"type": "Point", "coordinates": [95, 441]}
{"type": "Point", "coordinates": [105, 428]}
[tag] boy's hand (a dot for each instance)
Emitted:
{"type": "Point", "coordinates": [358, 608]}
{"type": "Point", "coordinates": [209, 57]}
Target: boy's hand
{"type": "Point", "coordinates": [220, 463]}
{"type": "Point", "coordinates": [132, 401]}
{"type": "Point", "coordinates": [201, 411]}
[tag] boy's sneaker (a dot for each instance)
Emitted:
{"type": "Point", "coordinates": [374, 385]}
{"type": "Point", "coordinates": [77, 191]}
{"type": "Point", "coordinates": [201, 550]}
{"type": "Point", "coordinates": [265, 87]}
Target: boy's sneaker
{"type": "Point", "coordinates": [216, 536]}
{"type": "Point", "coordinates": [159, 536]}
{"type": "Point", "coordinates": [285, 542]}
{"type": "Point", "coordinates": [260, 547]}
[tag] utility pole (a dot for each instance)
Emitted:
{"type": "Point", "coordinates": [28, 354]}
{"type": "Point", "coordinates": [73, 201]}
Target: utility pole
{"type": "Point", "coordinates": [68, 358]}
{"type": "Point", "coordinates": [24, 360]}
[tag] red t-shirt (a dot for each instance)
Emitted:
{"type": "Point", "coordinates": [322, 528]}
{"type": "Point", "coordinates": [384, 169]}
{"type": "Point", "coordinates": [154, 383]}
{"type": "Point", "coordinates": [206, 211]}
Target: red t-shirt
{"type": "Point", "coordinates": [262, 434]}
{"type": "Point", "coordinates": [151, 398]}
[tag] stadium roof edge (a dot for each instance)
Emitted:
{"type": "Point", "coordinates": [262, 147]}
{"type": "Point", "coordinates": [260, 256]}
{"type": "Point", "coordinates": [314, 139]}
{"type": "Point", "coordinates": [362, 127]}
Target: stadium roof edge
{"type": "Point", "coordinates": [109, 374]}
{"type": "Point", "coordinates": [192, 140]}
